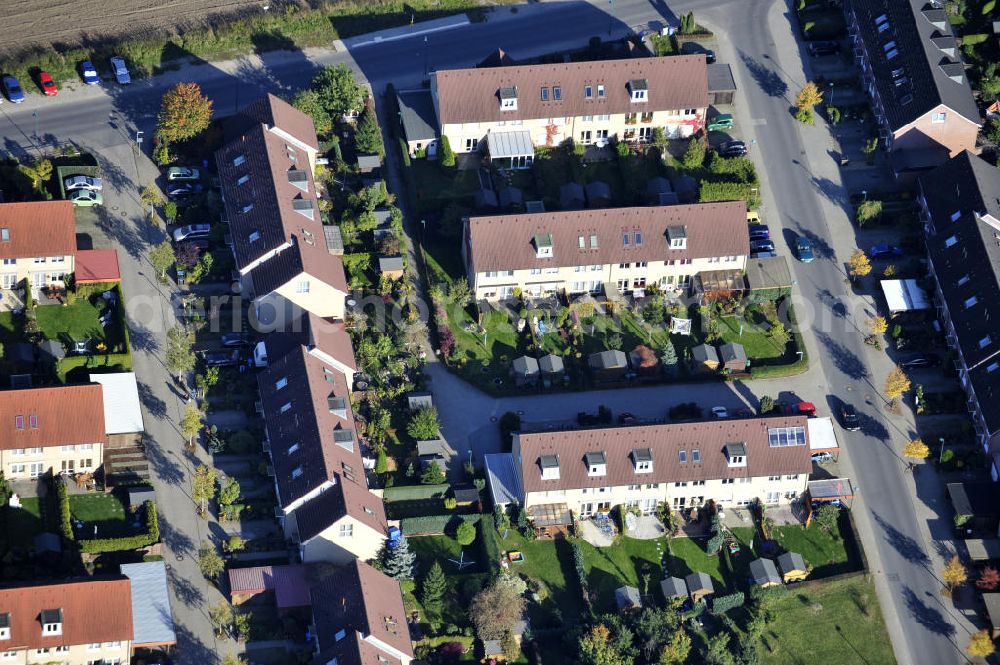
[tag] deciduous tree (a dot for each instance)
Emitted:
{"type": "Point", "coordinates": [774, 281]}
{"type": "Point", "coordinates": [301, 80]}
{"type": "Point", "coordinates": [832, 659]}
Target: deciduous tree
{"type": "Point", "coordinates": [203, 487]}
{"type": "Point", "coordinates": [677, 649]}
{"type": "Point", "coordinates": [229, 493]}
{"type": "Point", "coordinates": [192, 422]}
{"type": "Point", "coordinates": [989, 579]}
{"type": "Point", "coordinates": [161, 257]}
{"type": "Point", "coordinates": [780, 335]}
{"type": "Point", "coordinates": [310, 103]}
{"type": "Point", "coordinates": [980, 644]}
{"type": "Point", "coordinates": [877, 325]}
{"type": "Point", "coordinates": [766, 404]}
{"type": "Point", "coordinates": [221, 617]}
{"type": "Point", "coordinates": [496, 609]}
{"type": "Point", "coordinates": [859, 265]}
{"type": "Point", "coordinates": [897, 384]}
{"type": "Point", "coordinates": [808, 97]}
{"type": "Point", "coordinates": [597, 648]}
{"type": "Point", "coordinates": [424, 424]}
{"type": "Point", "coordinates": [916, 449]}
{"type": "Point", "coordinates": [954, 573]}
{"type": "Point", "coordinates": [184, 113]}
{"type": "Point", "coordinates": [868, 211]}
{"type": "Point", "coordinates": [179, 357]}
{"type": "Point", "coordinates": [826, 516]}
{"type": "Point", "coordinates": [338, 92]}
{"type": "Point", "coordinates": [209, 561]}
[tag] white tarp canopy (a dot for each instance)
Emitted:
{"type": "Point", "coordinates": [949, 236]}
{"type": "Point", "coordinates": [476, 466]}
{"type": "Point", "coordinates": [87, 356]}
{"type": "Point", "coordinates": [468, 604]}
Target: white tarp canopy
{"type": "Point", "coordinates": [821, 436]}
{"type": "Point", "coordinates": [122, 410]}
{"type": "Point", "coordinates": [503, 145]}
{"type": "Point", "coordinates": [904, 295]}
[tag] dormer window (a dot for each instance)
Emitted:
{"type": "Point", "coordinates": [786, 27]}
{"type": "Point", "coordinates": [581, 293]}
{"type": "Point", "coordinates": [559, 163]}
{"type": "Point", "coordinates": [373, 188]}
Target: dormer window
{"type": "Point", "coordinates": [543, 246]}
{"type": "Point", "coordinates": [242, 180]}
{"type": "Point", "coordinates": [281, 383]}
{"type": "Point", "coordinates": [299, 179]}
{"type": "Point", "coordinates": [508, 99]}
{"type": "Point", "coordinates": [52, 621]}
{"type": "Point", "coordinates": [736, 454]}
{"type": "Point", "coordinates": [642, 460]}
{"type": "Point", "coordinates": [550, 467]}
{"type": "Point", "coordinates": [344, 438]}
{"type": "Point", "coordinates": [5, 626]}
{"type": "Point", "coordinates": [296, 472]}
{"type": "Point", "coordinates": [677, 237]}
{"type": "Point", "coordinates": [254, 236]}
{"type": "Point", "coordinates": [247, 208]}
{"type": "Point", "coordinates": [955, 215]}
{"type": "Point", "coordinates": [639, 90]}
{"type": "Point", "coordinates": [239, 159]}
{"type": "Point", "coordinates": [597, 464]}
{"type": "Point", "coordinates": [294, 448]}
{"type": "Point", "coordinates": [600, 91]}
{"type": "Point", "coordinates": [337, 405]}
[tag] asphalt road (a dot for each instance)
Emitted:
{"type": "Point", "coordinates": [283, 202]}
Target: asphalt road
{"type": "Point", "coordinates": [802, 195]}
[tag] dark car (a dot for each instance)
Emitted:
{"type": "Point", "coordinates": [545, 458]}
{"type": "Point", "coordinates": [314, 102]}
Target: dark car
{"type": "Point", "coordinates": [819, 48]}
{"type": "Point", "coordinates": [849, 418]}
{"type": "Point", "coordinates": [221, 358]}
{"type": "Point", "coordinates": [759, 232]}
{"type": "Point", "coordinates": [919, 360]}
{"type": "Point", "coordinates": [885, 251]}
{"type": "Point", "coordinates": [709, 56]}
{"type": "Point", "coordinates": [626, 418]}
{"type": "Point", "coordinates": [183, 191]}
{"type": "Point", "coordinates": [732, 149]}
{"type": "Point", "coordinates": [234, 339]}
{"type": "Point", "coordinates": [762, 246]}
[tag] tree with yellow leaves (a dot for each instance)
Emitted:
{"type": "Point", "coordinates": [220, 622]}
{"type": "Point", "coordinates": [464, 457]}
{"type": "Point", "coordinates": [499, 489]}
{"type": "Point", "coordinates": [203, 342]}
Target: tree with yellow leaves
{"type": "Point", "coordinates": [896, 384]}
{"type": "Point", "coordinates": [954, 574]}
{"type": "Point", "coordinates": [878, 325]}
{"type": "Point", "coordinates": [859, 265]}
{"type": "Point", "coordinates": [980, 645]}
{"type": "Point", "coordinates": [916, 449]}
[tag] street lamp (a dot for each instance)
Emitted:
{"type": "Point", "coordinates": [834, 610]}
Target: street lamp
{"type": "Point", "coordinates": [426, 56]}
{"type": "Point", "coordinates": [611, 16]}
{"type": "Point", "coordinates": [34, 114]}
{"type": "Point", "coordinates": [941, 453]}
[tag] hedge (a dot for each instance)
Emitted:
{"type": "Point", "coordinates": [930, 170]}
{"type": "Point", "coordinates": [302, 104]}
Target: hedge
{"type": "Point", "coordinates": [415, 492]}
{"type": "Point", "coordinates": [434, 525]}
{"type": "Point", "coordinates": [152, 535]}
{"type": "Point", "coordinates": [722, 604]}
{"type": "Point", "coordinates": [65, 521]}
{"type": "Point", "coordinates": [490, 540]}
{"type": "Point", "coordinates": [758, 593]}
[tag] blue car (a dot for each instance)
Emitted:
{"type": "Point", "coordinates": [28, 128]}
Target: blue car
{"type": "Point", "coordinates": [89, 73]}
{"type": "Point", "coordinates": [759, 232]}
{"type": "Point", "coordinates": [885, 251]}
{"type": "Point", "coordinates": [13, 89]}
{"type": "Point", "coordinates": [805, 250]}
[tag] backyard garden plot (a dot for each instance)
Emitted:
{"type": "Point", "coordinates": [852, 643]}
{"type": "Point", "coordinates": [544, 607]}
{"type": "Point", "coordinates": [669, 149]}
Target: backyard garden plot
{"type": "Point", "coordinates": [103, 516]}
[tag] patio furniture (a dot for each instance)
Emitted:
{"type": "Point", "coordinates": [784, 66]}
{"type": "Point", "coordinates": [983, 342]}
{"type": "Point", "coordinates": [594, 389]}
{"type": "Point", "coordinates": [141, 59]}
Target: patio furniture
{"type": "Point", "coordinates": [516, 557]}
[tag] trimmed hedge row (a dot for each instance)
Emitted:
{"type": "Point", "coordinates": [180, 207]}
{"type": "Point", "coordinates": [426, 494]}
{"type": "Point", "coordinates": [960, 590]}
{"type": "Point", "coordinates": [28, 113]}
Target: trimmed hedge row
{"type": "Point", "coordinates": [415, 492]}
{"type": "Point", "coordinates": [490, 540]}
{"type": "Point", "coordinates": [434, 525]}
{"type": "Point", "coordinates": [65, 521]}
{"type": "Point", "coordinates": [722, 604]}
{"type": "Point", "coordinates": [152, 535]}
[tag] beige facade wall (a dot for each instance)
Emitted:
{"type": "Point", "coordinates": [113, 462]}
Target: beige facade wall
{"type": "Point", "coordinates": [321, 299]}
{"type": "Point", "coordinates": [593, 278]}
{"type": "Point", "coordinates": [27, 463]}
{"type": "Point", "coordinates": [39, 271]}
{"type": "Point", "coordinates": [678, 123]}
{"type": "Point", "coordinates": [107, 653]}
{"type": "Point", "coordinates": [343, 542]}
{"type": "Point", "coordinates": [940, 127]}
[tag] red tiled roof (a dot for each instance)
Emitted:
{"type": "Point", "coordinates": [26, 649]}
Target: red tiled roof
{"type": "Point", "coordinates": [472, 95]}
{"type": "Point", "coordinates": [290, 584]}
{"type": "Point", "coordinates": [62, 416]}
{"type": "Point", "coordinates": [332, 338]}
{"type": "Point", "coordinates": [505, 242]}
{"type": "Point", "coordinates": [38, 228]}
{"type": "Point", "coordinates": [665, 441]}
{"type": "Point", "coordinates": [276, 112]}
{"type": "Point", "coordinates": [96, 266]}
{"type": "Point", "coordinates": [92, 611]}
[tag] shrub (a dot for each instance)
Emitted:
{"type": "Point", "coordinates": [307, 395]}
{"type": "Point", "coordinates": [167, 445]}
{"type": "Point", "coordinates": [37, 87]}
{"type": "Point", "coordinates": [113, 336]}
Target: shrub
{"type": "Point", "coordinates": [445, 153]}
{"type": "Point", "coordinates": [489, 539]}
{"type": "Point", "coordinates": [465, 533]}
{"type": "Point", "coordinates": [450, 503]}
{"type": "Point", "coordinates": [725, 603]}
{"type": "Point", "coordinates": [805, 116]}
{"type": "Point", "coordinates": [404, 150]}
{"type": "Point", "coordinates": [433, 525]}
{"type": "Point", "coordinates": [415, 492]}
{"type": "Point", "coordinates": [65, 521]}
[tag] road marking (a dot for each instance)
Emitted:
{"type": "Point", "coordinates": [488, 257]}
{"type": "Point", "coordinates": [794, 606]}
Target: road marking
{"type": "Point", "coordinates": [757, 122]}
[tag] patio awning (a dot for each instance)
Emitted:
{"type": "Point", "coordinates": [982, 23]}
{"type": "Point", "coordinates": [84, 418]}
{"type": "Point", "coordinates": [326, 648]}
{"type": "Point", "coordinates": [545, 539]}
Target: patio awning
{"type": "Point", "coordinates": [550, 514]}
{"type": "Point", "coordinates": [831, 489]}
{"type": "Point", "coordinates": [904, 295]}
{"type": "Point", "coordinates": [821, 436]}
{"type": "Point", "coordinates": [503, 145]}
{"type": "Point", "coordinates": [152, 622]}
{"type": "Point", "coordinates": [983, 550]}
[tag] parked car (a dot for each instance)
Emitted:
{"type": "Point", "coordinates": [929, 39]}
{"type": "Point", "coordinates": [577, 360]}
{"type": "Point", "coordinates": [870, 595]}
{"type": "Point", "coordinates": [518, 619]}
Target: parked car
{"type": "Point", "coordinates": [759, 232]}
{"type": "Point", "coordinates": [183, 174]}
{"type": "Point", "coordinates": [732, 149]}
{"type": "Point", "coordinates": [919, 360]}
{"type": "Point", "coordinates": [822, 457]}
{"type": "Point", "coordinates": [849, 418]}
{"type": "Point", "coordinates": [234, 339]}
{"type": "Point", "coordinates": [83, 182]}
{"type": "Point", "coordinates": [721, 122]}
{"type": "Point", "coordinates": [120, 69]}
{"type": "Point", "coordinates": [12, 89]}
{"type": "Point", "coordinates": [720, 412]}
{"type": "Point", "coordinates": [709, 56]}
{"type": "Point", "coordinates": [183, 191]}
{"type": "Point", "coordinates": [85, 198]}
{"type": "Point", "coordinates": [192, 231]}
{"type": "Point", "coordinates": [762, 246]}
{"type": "Point", "coordinates": [763, 255]}
{"type": "Point", "coordinates": [819, 48]}
{"type": "Point", "coordinates": [222, 358]}
{"type": "Point", "coordinates": [804, 249]}
{"type": "Point", "coordinates": [48, 86]}
{"type": "Point", "coordinates": [89, 73]}
{"type": "Point", "coordinates": [201, 244]}
{"type": "Point", "coordinates": [885, 251]}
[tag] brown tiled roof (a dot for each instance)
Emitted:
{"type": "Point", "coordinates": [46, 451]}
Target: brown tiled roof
{"type": "Point", "coordinates": [352, 650]}
{"type": "Point", "coordinates": [346, 498]}
{"type": "Point", "coordinates": [290, 584]}
{"type": "Point", "coordinates": [292, 262]}
{"type": "Point", "coordinates": [328, 336]}
{"type": "Point", "coordinates": [96, 266]}
{"type": "Point", "coordinates": [276, 112]}
{"type": "Point", "coordinates": [62, 416]}
{"type": "Point", "coordinates": [617, 443]}
{"type": "Point", "coordinates": [92, 611]}
{"type": "Point", "coordinates": [308, 423]}
{"type": "Point", "coordinates": [359, 598]}
{"type": "Point", "coordinates": [38, 228]}
{"type": "Point", "coordinates": [505, 242]}
{"type": "Point", "coordinates": [472, 95]}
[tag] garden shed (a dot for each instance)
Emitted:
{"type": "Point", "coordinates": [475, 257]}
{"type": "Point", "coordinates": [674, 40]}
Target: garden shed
{"type": "Point", "coordinates": [699, 586]}
{"type": "Point", "coordinates": [768, 279]}
{"type": "Point", "coordinates": [904, 295]}
{"type": "Point", "coordinates": [465, 496]}
{"type": "Point", "coordinates": [140, 494]}
{"type": "Point", "coordinates": [764, 573]}
{"type": "Point", "coordinates": [983, 550]}
{"type": "Point", "coordinates": [704, 359]}
{"type": "Point", "coordinates": [391, 266]}
{"type": "Point", "coordinates": [657, 186]}
{"type": "Point", "coordinates": [431, 450]}
{"type": "Point", "coordinates": [721, 84]}
{"type": "Point", "coordinates": [793, 567]}
{"type": "Point", "coordinates": [733, 357]}
{"type": "Point", "coordinates": [610, 365]}
{"type": "Point", "coordinates": [598, 194]}
{"type": "Point", "coordinates": [524, 369]}
{"type": "Point", "coordinates": [510, 197]}
{"type": "Point", "coordinates": [486, 199]}
{"type": "Point", "coordinates": [419, 399]}
{"type": "Point", "coordinates": [673, 587]}
{"type": "Point", "coordinates": [977, 507]}
{"type": "Point", "coordinates": [627, 598]}
{"type": "Point", "coordinates": [51, 350]}
{"type": "Point", "coordinates": [551, 366]}
{"type": "Point", "coordinates": [571, 196]}
{"type": "Point", "coordinates": [369, 163]}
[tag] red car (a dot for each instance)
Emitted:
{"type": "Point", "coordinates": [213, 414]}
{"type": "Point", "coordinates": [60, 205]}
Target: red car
{"type": "Point", "coordinates": [47, 84]}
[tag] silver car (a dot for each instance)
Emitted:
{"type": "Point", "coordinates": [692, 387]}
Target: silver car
{"type": "Point", "coordinates": [191, 232]}
{"type": "Point", "coordinates": [83, 182]}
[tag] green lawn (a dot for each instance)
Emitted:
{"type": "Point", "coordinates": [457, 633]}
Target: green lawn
{"type": "Point", "coordinates": [20, 525]}
{"type": "Point", "coordinates": [629, 562]}
{"type": "Point", "coordinates": [436, 187]}
{"type": "Point", "coordinates": [443, 261]}
{"type": "Point", "coordinates": [838, 621]}
{"type": "Point", "coordinates": [755, 340]}
{"type": "Point", "coordinates": [77, 321]}
{"type": "Point", "coordinates": [106, 512]}
{"type": "Point", "coordinates": [827, 554]}
{"type": "Point", "coordinates": [8, 331]}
